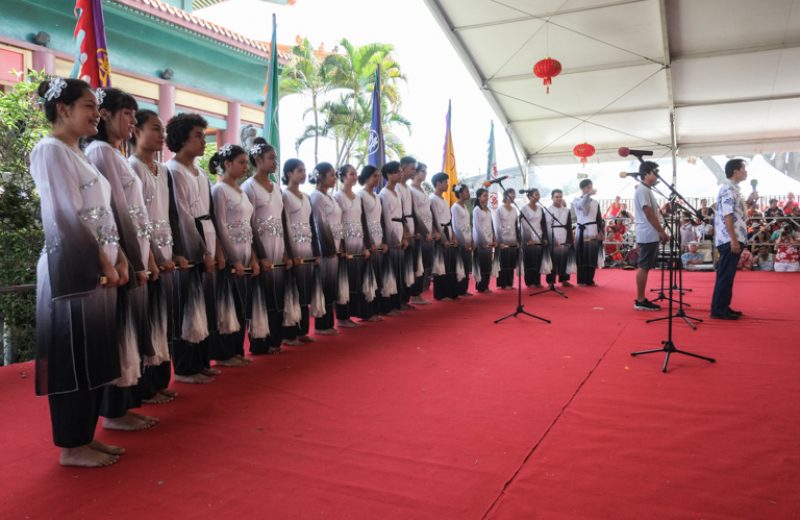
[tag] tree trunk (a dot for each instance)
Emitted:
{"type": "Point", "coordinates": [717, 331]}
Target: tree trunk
{"type": "Point", "coordinates": [316, 126]}
{"type": "Point", "coordinates": [8, 347]}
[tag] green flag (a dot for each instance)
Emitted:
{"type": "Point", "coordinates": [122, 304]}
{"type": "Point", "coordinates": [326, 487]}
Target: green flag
{"type": "Point", "coordinates": [271, 128]}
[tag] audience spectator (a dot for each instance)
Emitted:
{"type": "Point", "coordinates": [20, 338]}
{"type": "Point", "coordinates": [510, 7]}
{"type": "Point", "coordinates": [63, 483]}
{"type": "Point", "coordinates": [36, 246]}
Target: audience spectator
{"type": "Point", "coordinates": [773, 211]}
{"type": "Point", "coordinates": [613, 209]}
{"type": "Point", "coordinates": [764, 260]}
{"type": "Point", "coordinates": [613, 245]}
{"type": "Point", "coordinates": [623, 212]}
{"type": "Point", "coordinates": [787, 259]}
{"type": "Point", "coordinates": [762, 236]}
{"type": "Point", "coordinates": [687, 231]}
{"type": "Point", "coordinates": [706, 212]}
{"type": "Point", "coordinates": [692, 257]}
{"type": "Point", "coordinates": [789, 204]}
{"type": "Point", "coordinates": [745, 260]}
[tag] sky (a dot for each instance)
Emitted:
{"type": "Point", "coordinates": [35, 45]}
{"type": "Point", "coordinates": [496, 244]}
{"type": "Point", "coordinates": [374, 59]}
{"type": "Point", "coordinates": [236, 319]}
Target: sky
{"type": "Point", "coordinates": [434, 72]}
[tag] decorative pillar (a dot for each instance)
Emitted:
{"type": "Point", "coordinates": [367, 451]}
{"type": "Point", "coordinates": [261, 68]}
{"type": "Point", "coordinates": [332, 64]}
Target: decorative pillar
{"type": "Point", "coordinates": [44, 60]}
{"type": "Point", "coordinates": [231, 135]}
{"type": "Point", "coordinates": [166, 110]}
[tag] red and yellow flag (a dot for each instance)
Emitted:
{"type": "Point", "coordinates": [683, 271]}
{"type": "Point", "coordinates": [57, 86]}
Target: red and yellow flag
{"type": "Point", "coordinates": [449, 161]}
{"type": "Point", "coordinates": [91, 51]}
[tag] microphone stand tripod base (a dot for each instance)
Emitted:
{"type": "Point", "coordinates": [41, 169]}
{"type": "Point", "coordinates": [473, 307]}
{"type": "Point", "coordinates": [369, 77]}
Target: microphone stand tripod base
{"type": "Point", "coordinates": [550, 288]}
{"type": "Point", "coordinates": [521, 310]}
{"type": "Point", "coordinates": [669, 349]}
{"type": "Point", "coordinates": [682, 315]}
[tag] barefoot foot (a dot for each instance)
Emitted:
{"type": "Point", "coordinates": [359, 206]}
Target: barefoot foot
{"type": "Point", "coordinates": [158, 398]}
{"type": "Point", "coordinates": [347, 324]}
{"type": "Point", "coordinates": [108, 449]}
{"type": "Point", "coordinates": [196, 379]}
{"type": "Point", "coordinates": [127, 423]}
{"type": "Point", "coordinates": [86, 457]}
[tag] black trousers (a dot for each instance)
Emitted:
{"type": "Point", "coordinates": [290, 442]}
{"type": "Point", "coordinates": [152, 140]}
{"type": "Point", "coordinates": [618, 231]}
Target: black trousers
{"type": "Point", "coordinates": [300, 329]}
{"type": "Point", "coordinates": [190, 358]}
{"type": "Point", "coordinates": [275, 338]}
{"type": "Point", "coordinates": [586, 257]}
{"type": "Point", "coordinates": [560, 255]}
{"type": "Point", "coordinates": [508, 262]}
{"type": "Point", "coordinates": [532, 260]}
{"type": "Point", "coordinates": [74, 415]}
{"type": "Point", "coordinates": [444, 285]}
{"type": "Point", "coordinates": [723, 284]}
{"type": "Point", "coordinates": [484, 257]}
{"type": "Point", "coordinates": [154, 378]}
{"type": "Point", "coordinates": [462, 287]}
{"type": "Point", "coordinates": [415, 249]}
{"type": "Point", "coordinates": [115, 401]}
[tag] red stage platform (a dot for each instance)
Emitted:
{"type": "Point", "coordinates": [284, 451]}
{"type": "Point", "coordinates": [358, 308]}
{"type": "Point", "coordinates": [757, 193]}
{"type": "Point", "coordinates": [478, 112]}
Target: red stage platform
{"type": "Point", "coordinates": [440, 414]}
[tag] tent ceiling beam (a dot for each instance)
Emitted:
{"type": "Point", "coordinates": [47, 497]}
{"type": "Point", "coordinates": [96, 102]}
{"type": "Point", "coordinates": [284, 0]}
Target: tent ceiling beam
{"type": "Point", "coordinates": [442, 19]}
{"type": "Point", "coordinates": [576, 70]}
{"type": "Point", "coordinates": [539, 16]}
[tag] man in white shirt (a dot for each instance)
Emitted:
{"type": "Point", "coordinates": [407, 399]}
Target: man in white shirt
{"type": "Point", "coordinates": [648, 232]}
{"type": "Point", "coordinates": [590, 227]}
{"type": "Point", "coordinates": [730, 238]}
{"type": "Point", "coordinates": [408, 168]}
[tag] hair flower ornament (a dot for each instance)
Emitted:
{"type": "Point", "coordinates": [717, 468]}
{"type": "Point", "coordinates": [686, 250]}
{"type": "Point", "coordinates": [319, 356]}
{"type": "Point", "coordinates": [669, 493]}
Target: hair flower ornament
{"type": "Point", "coordinates": [55, 88]}
{"type": "Point", "coordinates": [226, 150]}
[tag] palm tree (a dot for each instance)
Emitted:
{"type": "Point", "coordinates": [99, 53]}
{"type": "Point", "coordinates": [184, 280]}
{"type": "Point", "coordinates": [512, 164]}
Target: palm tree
{"type": "Point", "coordinates": [307, 74]}
{"type": "Point", "coordinates": [354, 72]}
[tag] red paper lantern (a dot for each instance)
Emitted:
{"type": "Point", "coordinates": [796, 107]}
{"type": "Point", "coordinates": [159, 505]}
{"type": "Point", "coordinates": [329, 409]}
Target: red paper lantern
{"type": "Point", "coordinates": [547, 69]}
{"type": "Point", "coordinates": [584, 151]}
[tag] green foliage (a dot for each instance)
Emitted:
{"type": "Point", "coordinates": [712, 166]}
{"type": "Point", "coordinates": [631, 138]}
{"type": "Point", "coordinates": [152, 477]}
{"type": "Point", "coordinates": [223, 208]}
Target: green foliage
{"type": "Point", "coordinates": [345, 118]}
{"type": "Point", "coordinates": [211, 149]}
{"type": "Point", "coordinates": [22, 125]}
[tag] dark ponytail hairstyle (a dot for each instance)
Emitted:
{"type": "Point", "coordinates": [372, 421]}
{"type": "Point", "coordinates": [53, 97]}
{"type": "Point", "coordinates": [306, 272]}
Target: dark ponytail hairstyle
{"type": "Point", "coordinates": [342, 173]}
{"type": "Point", "coordinates": [366, 172]}
{"type": "Point", "coordinates": [259, 148]}
{"type": "Point", "coordinates": [229, 152]}
{"type": "Point", "coordinates": [458, 188]}
{"type": "Point", "coordinates": [113, 100]}
{"type": "Point", "coordinates": [70, 92]}
{"type": "Point", "coordinates": [321, 171]}
{"type": "Point", "coordinates": [478, 194]}
{"type": "Point", "coordinates": [142, 117]}
{"type": "Point", "coordinates": [288, 167]}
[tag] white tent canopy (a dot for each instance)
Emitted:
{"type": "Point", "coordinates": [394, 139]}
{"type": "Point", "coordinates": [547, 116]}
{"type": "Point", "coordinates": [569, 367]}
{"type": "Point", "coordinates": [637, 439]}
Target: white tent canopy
{"type": "Point", "coordinates": [725, 72]}
{"type": "Point", "coordinates": [694, 179]}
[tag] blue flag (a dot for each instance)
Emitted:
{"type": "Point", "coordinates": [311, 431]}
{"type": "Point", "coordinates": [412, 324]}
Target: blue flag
{"type": "Point", "coordinates": [271, 128]}
{"type": "Point", "coordinates": [376, 151]}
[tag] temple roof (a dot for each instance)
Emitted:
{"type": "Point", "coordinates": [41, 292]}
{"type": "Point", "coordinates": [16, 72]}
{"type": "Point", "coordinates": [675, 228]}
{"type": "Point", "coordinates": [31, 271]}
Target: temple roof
{"type": "Point", "coordinates": [178, 17]}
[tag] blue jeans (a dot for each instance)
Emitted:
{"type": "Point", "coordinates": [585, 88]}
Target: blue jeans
{"type": "Point", "coordinates": [726, 272]}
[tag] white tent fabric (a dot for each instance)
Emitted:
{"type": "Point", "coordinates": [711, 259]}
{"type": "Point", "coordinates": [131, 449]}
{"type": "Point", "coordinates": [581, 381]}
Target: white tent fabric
{"type": "Point", "coordinates": [725, 72]}
{"type": "Point", "coordinates": [694, 179]}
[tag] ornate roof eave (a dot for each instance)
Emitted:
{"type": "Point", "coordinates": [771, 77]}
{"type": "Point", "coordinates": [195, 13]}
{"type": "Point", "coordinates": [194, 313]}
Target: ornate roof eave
{"type": "Point", "coordinates": [165, 13]}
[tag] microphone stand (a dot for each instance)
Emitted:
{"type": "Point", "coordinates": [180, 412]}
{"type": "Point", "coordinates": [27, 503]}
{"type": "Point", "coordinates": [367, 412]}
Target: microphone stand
{"type": "Point", "coordinates": [675, 264]}
{"type": "Point", "coordinates": [551, 287]}
{"type": "Point", "coordinates": [520, 308]}
{"type": "Point", "coordinates": [669, 347]}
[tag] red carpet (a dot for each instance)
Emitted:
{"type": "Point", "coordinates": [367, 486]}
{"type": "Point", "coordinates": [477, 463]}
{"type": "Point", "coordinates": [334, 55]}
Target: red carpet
{"type": "Point", "coordinates": [441, 414]}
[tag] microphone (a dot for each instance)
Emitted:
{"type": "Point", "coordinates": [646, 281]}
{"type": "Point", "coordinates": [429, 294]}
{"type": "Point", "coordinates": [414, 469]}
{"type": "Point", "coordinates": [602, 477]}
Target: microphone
{"type": "Point", "coordinates": [486, 184]}
{"type": "Point", "coordinates": [622, 175]}
{"type": "Point", "coordinates": [624, 152]}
